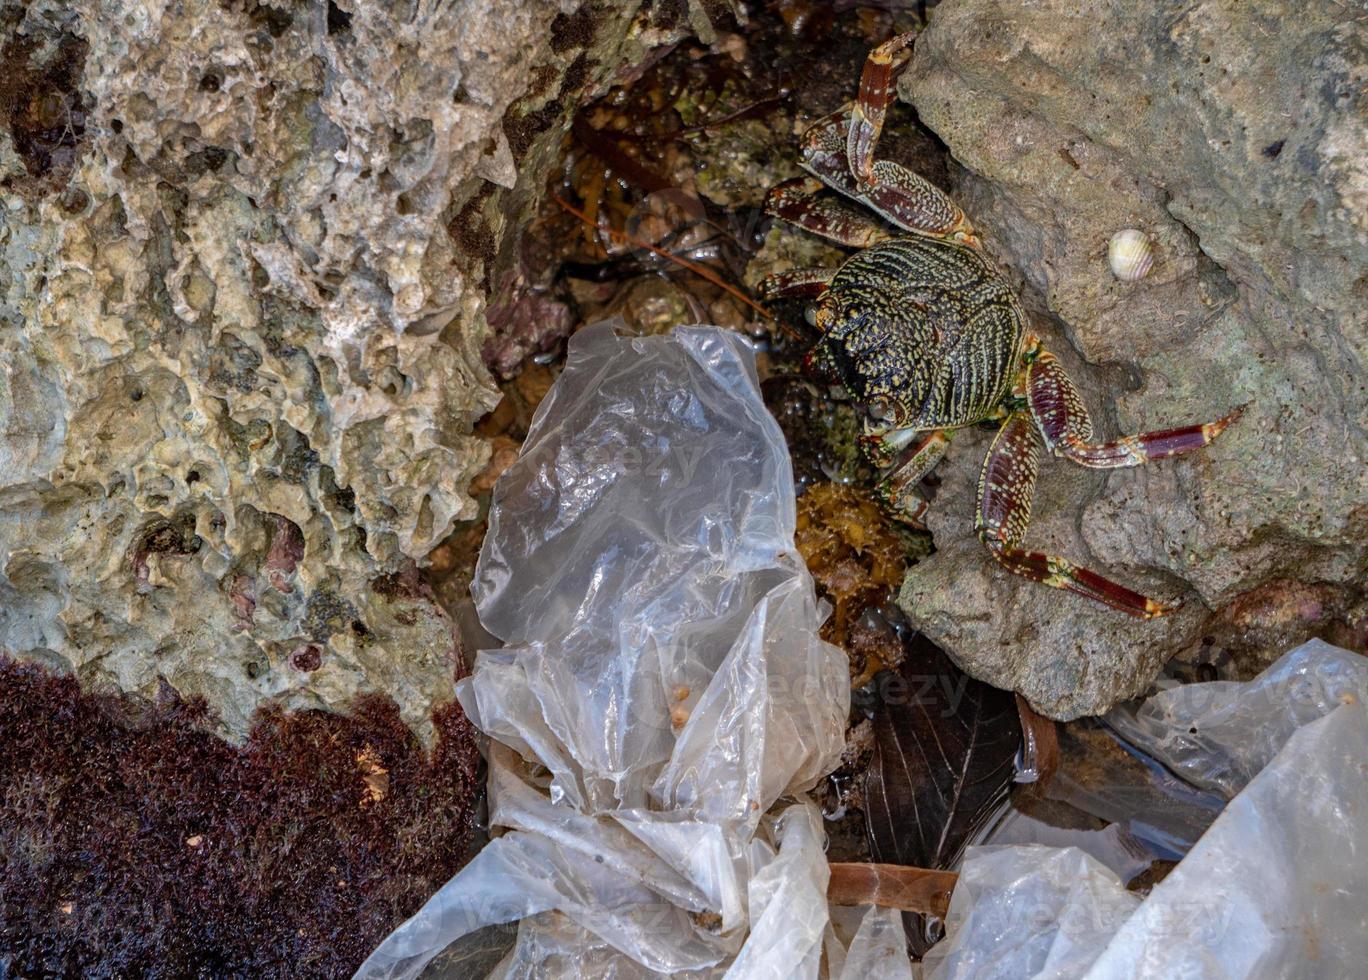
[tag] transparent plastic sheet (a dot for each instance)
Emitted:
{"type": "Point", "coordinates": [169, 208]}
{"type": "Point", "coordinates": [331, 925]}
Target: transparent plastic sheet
{"type": "Point", "coordinates": [547, 940]}
{"type": "Point", "coordinates": [1134, 791]}
{"type": "Point", "coordinates": [788, 901]}
{"type": "Point", "coordinates": [874, 948]}
{"type": "Point", "coordinates": [1218, 735]}
{"type": "Point", "coordinates": [878, 950]}
{"type": "Point", "coordinates": [1277, 887]}
{"type": "Point", "coordinates": [788, 908]}
{"type": "Point", "coordinates": [661, 687]}
{"type": "Point", "coordinates": [1028, 910]}
{"type": "Point", "coordinates": [1112, 846]}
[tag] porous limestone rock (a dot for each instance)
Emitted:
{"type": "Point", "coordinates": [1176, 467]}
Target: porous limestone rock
{"type": "Point", "coordinates": [244, 254]}
{"type": "Point", "coordinates": [1236, 136]}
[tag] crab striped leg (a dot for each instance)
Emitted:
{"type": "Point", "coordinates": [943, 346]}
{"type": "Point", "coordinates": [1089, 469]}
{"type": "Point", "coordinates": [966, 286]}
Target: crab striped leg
{"type": "Point", "coordinates": [839, 150]}
{"type": "Point", "coordinates": [867, 118]}
{"type": "Point", "coordinates": [1006, 487]}
{"type": "Point", "coordinates": [1059, 411]}
{"type": "Point", "coordinates": [895, 193]}
{"type": "Point", "coordinates": [899, 489]}
{"type": "Point", "coordinates": [796, 283]}
{"type": "Point", "coordinates": [805, 203]}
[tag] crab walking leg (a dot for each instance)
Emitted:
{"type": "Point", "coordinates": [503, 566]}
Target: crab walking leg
{"type": "Point", "coordinates": [895, 193]}
{"type": "Point", "coordinates": [804, 202]}
{"type": "Point", "coordinates": [839, 150]}
{"type": "Point", "coordinates": [898, 489]}
{"type": "Point", "coordinates": [1006, 487]}
{"type": "Point", "coordinates": [796, 283]}
{"type": "Point", "coordinates": [912, 202]}
{"type": "Point", "coordinates": [867, 117]}
{"type": "Point", "coordinates": [1058, 410]}
{"type": "Point", "coordinates": [821, 363]}
{"type": "Point", "coordinates": [883, 444]}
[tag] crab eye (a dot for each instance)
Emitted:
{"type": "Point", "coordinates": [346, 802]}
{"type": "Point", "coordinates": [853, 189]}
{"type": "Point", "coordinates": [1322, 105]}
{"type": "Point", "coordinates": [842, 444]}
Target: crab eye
{"type": "Point", "coordinates": [810, 314]}
{"type": "Point", "coordinates": [880, 409]}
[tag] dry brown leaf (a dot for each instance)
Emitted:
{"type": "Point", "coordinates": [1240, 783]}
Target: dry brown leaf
{"type": "Point", "coordinates": [944, 753]}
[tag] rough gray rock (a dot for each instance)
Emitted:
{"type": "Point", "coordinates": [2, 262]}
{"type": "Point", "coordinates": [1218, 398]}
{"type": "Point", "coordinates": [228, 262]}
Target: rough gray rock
{"type": "Point", "coordinates": [243, 265]}
{"type": "Point", "coordinates": [1235, 135]}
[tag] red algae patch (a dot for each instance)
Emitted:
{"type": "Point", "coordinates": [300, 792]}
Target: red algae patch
{"type": "Point", "coordinates": [134, 842]}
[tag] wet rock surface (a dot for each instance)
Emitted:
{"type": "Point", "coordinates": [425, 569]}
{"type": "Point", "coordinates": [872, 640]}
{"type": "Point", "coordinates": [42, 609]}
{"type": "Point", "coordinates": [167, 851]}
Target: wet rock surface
{"type": "Point", "coordinates": [244, 256]}
{"type": "Point", "coordinates": [1234, 136]}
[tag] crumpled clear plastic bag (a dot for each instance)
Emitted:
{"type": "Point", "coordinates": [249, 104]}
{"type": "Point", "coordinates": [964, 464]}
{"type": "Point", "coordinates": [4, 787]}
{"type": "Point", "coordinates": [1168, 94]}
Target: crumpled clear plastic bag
{"type": "Point", "coordinates": [661, 687]}
{"type": "Point", "coordinates": [878, 950]}
{"type": "Point", "coordinates": [1135, 792]}
{"type": "Point", "coordinates": [1277, 886]}
{"type": "Point", "coordinates": [1113, 846]}
{"type": "Point", "coordinates": [1218, 735]}
{"type": "Point", "coordinates": [1028, 910]}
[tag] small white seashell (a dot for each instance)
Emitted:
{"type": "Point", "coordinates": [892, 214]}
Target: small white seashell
{"type": "Point", "coordinates": [1131, 254]}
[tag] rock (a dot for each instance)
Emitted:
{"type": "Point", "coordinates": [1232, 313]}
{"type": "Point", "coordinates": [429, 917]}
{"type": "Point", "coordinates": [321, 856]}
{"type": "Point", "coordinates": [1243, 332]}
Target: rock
{"type": "Point", "coordinates": [243, 269]}
{"type": "Point", "coordinates": [1068, 656]}
{"type": "Point", "coordinates": [1235, 137]}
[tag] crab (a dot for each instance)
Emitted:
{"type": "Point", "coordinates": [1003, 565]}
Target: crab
{"type": "Point", "coordinates": [928, 337]}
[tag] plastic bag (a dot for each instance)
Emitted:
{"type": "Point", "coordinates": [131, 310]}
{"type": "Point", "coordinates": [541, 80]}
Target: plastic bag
{"type": "Point", "coordinates": [1126, 787]}
{"type": "Point", "coordinates": [1113, 846]}
{"type": "Point", "coordinates": [878, 950]}
{"type": "Point", "coordinates": [1028, 910]}
{"type": "Point", "coordinates": [1278, 886]}
{"type": "Point", "coordinates": [1275, 888]}
{"type": "Point", "coordinates": [1217, 735]}
{"type": "Point", "coordinates": [661, 687]}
